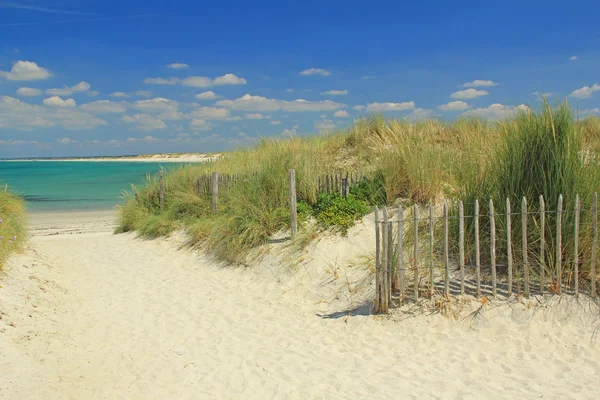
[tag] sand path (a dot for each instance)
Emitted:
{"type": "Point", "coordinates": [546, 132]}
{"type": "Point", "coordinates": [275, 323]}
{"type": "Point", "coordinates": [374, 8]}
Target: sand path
{"type": "Point", "coordinates": [92, 315]}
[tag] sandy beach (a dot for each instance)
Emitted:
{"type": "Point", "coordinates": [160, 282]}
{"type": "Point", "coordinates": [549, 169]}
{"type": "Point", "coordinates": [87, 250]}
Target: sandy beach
{"type": "Point", "coordinates": [87, 314]}
{"type": "Point", "coordinates": [178, 158]}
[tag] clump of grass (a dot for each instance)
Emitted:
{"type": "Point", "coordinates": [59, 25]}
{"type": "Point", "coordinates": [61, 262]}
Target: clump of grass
{"type": "Point", "coordinates": [13, 226]}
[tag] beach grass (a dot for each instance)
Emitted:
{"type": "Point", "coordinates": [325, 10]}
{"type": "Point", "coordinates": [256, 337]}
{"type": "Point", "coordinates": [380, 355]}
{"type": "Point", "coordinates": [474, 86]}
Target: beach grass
{"type": "Point", "coordinates": [13, 227]}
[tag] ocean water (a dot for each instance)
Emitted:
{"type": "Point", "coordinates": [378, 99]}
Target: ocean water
{"type": "Point", "coordinates": [75, 186]}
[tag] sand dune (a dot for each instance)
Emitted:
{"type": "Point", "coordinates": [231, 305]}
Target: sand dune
{"type": "Point", "coordinates": [91, 315]}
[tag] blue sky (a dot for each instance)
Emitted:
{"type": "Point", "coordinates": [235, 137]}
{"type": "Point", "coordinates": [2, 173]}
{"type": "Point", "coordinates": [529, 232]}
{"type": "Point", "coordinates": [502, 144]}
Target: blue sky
{"type": "Point", "coordinates": [107, 77]}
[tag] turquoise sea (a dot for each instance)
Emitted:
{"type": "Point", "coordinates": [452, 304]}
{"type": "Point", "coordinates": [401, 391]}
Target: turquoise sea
{"type": "Point", "coordinates": [77, 185]}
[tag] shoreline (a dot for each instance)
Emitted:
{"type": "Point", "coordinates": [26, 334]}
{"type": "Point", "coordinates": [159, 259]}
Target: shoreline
{"type": "Point", "coordinates": [182, 158]}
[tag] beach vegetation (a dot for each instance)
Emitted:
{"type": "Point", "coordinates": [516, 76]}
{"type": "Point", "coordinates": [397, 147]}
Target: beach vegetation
{"type": "Point", "coordinates": [13, 225]}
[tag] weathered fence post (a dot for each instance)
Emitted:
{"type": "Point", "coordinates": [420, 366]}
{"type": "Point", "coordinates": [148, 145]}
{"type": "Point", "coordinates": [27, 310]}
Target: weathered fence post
{"type": "Point", "coordinates": [559, 245]}
{"type": "Point", "coordinates": [493, 247]}
{"type": "Point", "coordinates": [461, 245]}
{"type": "Point", "coordinates": [431, 239]}
{"type": "Point", "coordinates": [401, 282]}
{"type": "Point", "coordinates": [215, 192]}
{"type": "Point", "coordinates": [576, 245]}
{"type": "Point", "coordinates": [477, 252]}
{"type": "Point", "coordinates": [446, 249]}
{"type": "Point", "coordinates": [524, 241]}
{"type": "Point", "coordinates": [416, 252]}
{"type": "Point", "coordinates": [161, 194]}
{"type": "Point", "coordinates": [377, 262]}
{"type": "Point", "coordinates": [509, 258]}
{"type": "Point", "coordinates": [293, 213]}
{"type": "Point", "coordinates": [384, 262]}
{"type": "Point", "coordinates": [542, 244]}
{"type": "Point", "coordinates": [594, 243]}
{"type": "Point", "coordinates": [390, 249]}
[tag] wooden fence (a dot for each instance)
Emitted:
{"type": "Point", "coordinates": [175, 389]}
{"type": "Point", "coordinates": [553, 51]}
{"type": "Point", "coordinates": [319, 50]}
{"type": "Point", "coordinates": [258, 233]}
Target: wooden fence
{"type": "Point", "coordinates": [438, 265]}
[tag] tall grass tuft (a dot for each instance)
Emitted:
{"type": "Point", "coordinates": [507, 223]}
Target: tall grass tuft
{"type": "Point", "coordinates": [13, 226]}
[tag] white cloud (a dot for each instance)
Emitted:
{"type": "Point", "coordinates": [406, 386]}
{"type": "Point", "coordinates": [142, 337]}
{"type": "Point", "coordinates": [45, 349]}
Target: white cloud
{"type": "Point", "coordinates": [93, 93]}
{"type": "Point", "coordinates": [197, 81]}
{"type": "Point", "coordinates": [379, 107]}
{"type": "Point", "coordinates": [144, 122]}
{"type": "Point", "coordinates": [210, 95]}
{"type": "Point", "coordinates": [359, 108]}
{"type": "Point", "coordinates": [259, 103]}
{"type": "Point", "coordinates": [420, 114]}
{"type": "Point", "coordinates": [335, 93]}
{"type": "Point", "coordinates": [573, 58]}
{"type": "Point", "coordinates": [454, 106]}
{"type": "Point", "coordinates": [102, 107]}
{"type": "Point", "coordinates": [274, 122]}
{"type": "Point", "coordinates": [325, 125]}
{"type": "Point", "coordinates": [199, 124]}
{"type": "Point", "coordinates": [161, 81]}
{"type": "Point", "coordinates": [177, 66]}
{"type": "Point", "coordinates": [29, 92]}
{"type": "Point", "coordinates": [208, 113]}
{"type": "Point", "coordinates": [540, 94]}
{"type": "Point", "coordinates": [585, 92]}
{"type": "Point", "coordinates": [289, 90]}
{"type": "Point", "coordinates": [58, 102]}
{"type": "Point", "coordinates": [341, 114]}
{"type": "Point", "coordinates": [495, 111]}
{"type": "Point", "coordinates": [143, 93]}
{"type": "Point", "coordinates": [315, 71]}
{"type": "Point", "coordinates": [25, 71]}
{"type": "Point", "coordinates": [590, 111]}
{"type": "Point", "coordinates": [66, 140]}
{"type": "Point", "coordinates": [468, 94]}
{"type": "Point", "coordinates": [167, 109]}
{"type": "Point", "coordinates": [236, 118]}
{"type": "Point", "coordinates": [68, 91]}
{"type": "Point", "coordinates": [229, 79]}
{"type": "Point", "coordinates": [290, 132]}
{"type": "Point", "coordinates": [254, 116]}
{"type": "Point", "coordinates": [119, 94]}
{"type": "Point", "coordinates": [479, 83]}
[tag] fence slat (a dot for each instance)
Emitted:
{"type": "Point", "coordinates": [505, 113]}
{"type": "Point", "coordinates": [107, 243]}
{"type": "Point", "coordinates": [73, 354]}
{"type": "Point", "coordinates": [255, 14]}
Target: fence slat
{"type": "Point", "coordinates": [292, 199]}
{"type": "Point", "coordinates": [542, 244]}
{"type": "Point", "coordinates": [384, 261]}
{"type": "Point", "coordinates": [215, 192]}
{"type": "Point", "coordinates": [559, 245]}
{"type": "Point", "coordinates": [576, 245]}
{"type": "Point", "coordinates": [377, 259]}
{"type": "Point", "coordinates": [446, 250]}
{"type": "Point", "coordinates": [431, 259]}
{"type": "Point", "coordinates": [477, 253]}
{"type": "Point", "coordinates": [594, 243]}
{"type": "Point", "coordinates": [524, 241]}
{"type": "Point", "coordinates": [390, 272]}
{"type": "Point", "coordinates": [509, 258]}
{"type": "Point", "coordinates": [416, 251]}
{"type": "Point", "coordinates": [401, 282]}
{"type": "Point", "coordinates": [493, 247]}
{"type": "Point", "coordinates": [461, 245]}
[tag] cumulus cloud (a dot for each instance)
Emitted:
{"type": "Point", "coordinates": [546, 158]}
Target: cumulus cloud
{"type": "Point", "coordinates": [229, 79]}
{"type": "Point", "coordinates": [325, 125]}
{"type": "Point", "coordinates": [274, 122]}
{"type": "Point", "coordinates": [197, 81]}
{"type": "Point", "coordinates": [259, 103]}
{"type": "Point", "coordinates": [58, 102]}
{"type": "Point", "coordinates": [167, 109]}
{"type": "Point", "coordinates": [143, 93]}
{"type": "Point", "coordinates": [199, 124]}
{"type": "Point", "coordinates": [254, 116]}
{"type": "Point", "coordinates": [210, 95]}
{"type": "Point", "coordinates": [25, 71]}
{"type": "Point", "coordinates": [161, 81]}
{"type": "Point", "coordinates": [468, 94]}
{"type": "Point", "coordinates": [177, 66]}
{"type": "Point", "coordinates": [359, 108]}
{"type": "Point", "coordinates": [144, 122]}
{"type": "Point", "coordinates": [315, 71]}
{"type": "Point", "coordinates": [479, 83]}
{"type": "Point", "coordinates": [420, 114]}
{"type": "Point", "coordinates": [585, 92]}
{"type": "Point", "coordinates": [495, 111]}
{"type": "Point", "coordinates": [590, 111]}
{"type": "Point", "coordinates": [69, 90]}
{"type": "Point", "coordinates": [573, 58]}
{"type": "Point", "coordinates": [454, 106]}
{"type": "Point", "coordinates": [341, 114]}
{"type": "Point", "coordinates": [102, 107]}
{"type": "Point", "coordinates": [211, 113]}
{"type": "Point", "coordinates": [119, 94]}
{"type": "Point", "coordinates": [379, 107]}
{"type": "Point", "coordinates": [29, 92]}
{"type": "Point", "coordinates": [335, 93]}
{"type": "Point", "coordinates": [540, 94]}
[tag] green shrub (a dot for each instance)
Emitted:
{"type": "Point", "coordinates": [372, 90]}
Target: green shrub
{"type": "Point", "coordinates": [334, 211]}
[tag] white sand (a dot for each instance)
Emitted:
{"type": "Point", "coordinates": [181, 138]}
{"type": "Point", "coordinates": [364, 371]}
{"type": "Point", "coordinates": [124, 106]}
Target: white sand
{"type": "Point", "coordinates": [163, 158]}
{"type": "Point", "coordinates": [91, 315]}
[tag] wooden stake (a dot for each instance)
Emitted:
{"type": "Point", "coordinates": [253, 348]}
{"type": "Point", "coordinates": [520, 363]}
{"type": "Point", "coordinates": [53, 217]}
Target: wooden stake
{"type": "Point", "coordinates": [215, 192]}
{"type": "Point", "coordinates": [161, 194]}
{"type": "Point", "coordinates": [542, 244]}
{"type": "Point", "coordinates": [493, 247]}
{"type": "Point", "coordinates": [576, 244]}
{"type": "Point", "coordinates": [292, 194]}
{"type": "Point", "coordinates": [416, 251]}
{"type": "Point", "coordinates": [477, 252]}
{"type": "Point", "coordinates": [377, 261]}
{"type": "Point", "coordinates": [461, 245]}
{"type": "Point", "coordinates": [446, 256]}
{"type": "Point", "coordinates": [431, 259]}
{"type": "Point", "coordinates": [384, 261]}
{"type": "Point", "coordinates": [401, 251]}
{"type": "Point", "coordinates": [509, 258]}
{"type": "Point", "coordinates": [594, 243]}
{"type": "Point", "coordinates": [559, 245]}
{"type": "Point", "coordinates": [524, 241]}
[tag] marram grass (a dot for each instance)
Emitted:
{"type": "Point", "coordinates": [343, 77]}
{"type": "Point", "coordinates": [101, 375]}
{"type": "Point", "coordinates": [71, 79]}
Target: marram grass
{"type": "Point", "coordinates": [13, 228]}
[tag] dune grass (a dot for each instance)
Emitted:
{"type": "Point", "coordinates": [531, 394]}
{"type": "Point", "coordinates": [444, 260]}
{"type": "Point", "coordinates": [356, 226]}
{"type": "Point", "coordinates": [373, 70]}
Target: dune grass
{"type": "Point", "coordinates": [13, 228]}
